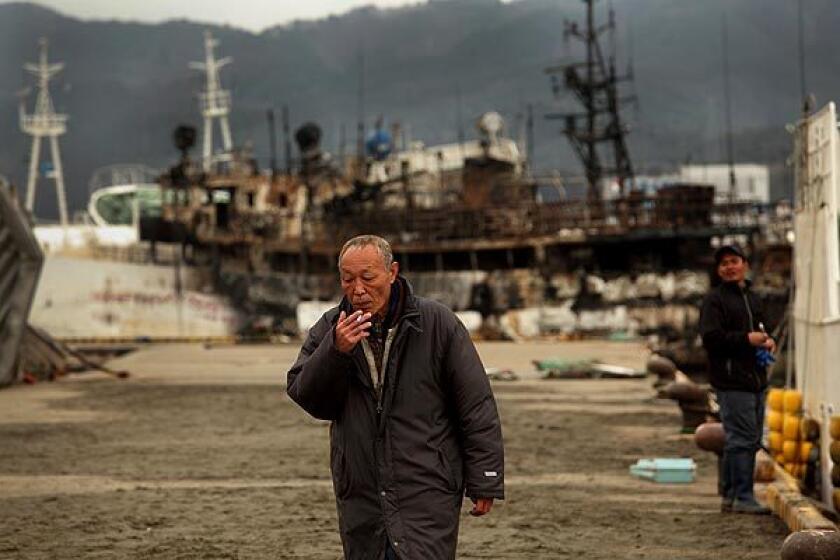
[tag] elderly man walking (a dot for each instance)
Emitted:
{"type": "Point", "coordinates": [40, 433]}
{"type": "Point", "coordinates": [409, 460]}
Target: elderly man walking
{"type": "Point", "coordinates": [414, 423]}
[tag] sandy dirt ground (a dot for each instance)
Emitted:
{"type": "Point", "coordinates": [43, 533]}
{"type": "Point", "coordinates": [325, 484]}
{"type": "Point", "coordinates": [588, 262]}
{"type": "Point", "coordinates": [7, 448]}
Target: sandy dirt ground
{"type": "Point", "coordinates": [200, 454]}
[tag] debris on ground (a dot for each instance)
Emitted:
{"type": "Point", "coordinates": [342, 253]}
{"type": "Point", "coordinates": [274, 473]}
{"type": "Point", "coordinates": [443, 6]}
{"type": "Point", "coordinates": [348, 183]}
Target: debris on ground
{"type": "Point", "coordinates": [42, 358]}
{"type": "Point", "coordinates": [556, 368]}
{"type": "Point", "coordinates": [665, 470]}
{"type": "Point", "coordinates": [499, 374]}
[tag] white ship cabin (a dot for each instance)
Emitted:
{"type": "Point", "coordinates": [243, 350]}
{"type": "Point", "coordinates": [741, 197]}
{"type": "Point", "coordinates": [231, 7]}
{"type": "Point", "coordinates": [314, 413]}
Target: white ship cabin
{"type": "Point", "coordinates": [752, 181]}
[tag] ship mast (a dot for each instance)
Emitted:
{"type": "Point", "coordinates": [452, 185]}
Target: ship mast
{"type": "Point", "coordinates": [44, 123]}
{"type": "Point", "coordinates": [594, 83]}
{"type": "Point", "coordinates": [215, 103]}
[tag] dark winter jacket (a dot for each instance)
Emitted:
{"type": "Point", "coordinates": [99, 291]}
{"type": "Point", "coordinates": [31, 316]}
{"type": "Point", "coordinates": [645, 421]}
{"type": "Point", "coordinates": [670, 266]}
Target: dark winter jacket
{"type": "Point", "coordinates": [729, 313]}
{"type": "Point", "coordinates": [401, 473]}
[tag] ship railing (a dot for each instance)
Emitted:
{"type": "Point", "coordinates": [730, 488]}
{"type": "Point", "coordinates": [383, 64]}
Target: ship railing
{"type": "Point", "coordinates": [140, 253]}
{"type": "Point", "coordinates": [216, 102]}
{"type": "Point", "coordinates": [46, 124]}
{"type": "Point", "coordinates": [510, 221]}
{"type": "Point", "coordinates": [517, 221]}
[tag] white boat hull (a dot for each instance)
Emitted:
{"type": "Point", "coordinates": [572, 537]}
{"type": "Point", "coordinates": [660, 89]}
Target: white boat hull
{"type": "Point", "coordinates": [88, 298]}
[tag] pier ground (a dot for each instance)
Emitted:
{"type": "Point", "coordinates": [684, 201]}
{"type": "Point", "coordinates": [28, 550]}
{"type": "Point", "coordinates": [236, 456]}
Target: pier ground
{"type": "Point", "coordinates": [201, 455]}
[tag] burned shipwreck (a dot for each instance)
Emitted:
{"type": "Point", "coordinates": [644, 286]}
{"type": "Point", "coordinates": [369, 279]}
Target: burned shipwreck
{"type": "Point", "coordinates": [479, 238]}
{"type": "Point", "coordinates": [468, 223]}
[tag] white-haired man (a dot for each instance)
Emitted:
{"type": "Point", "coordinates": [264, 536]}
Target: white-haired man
{"type": "Point", "coordinates": [414, 422]}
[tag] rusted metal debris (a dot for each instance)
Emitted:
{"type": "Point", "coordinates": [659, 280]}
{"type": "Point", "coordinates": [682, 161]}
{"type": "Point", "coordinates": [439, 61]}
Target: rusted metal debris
{"type": "Point", "coordinates": [20, 266]}
{"type": "Point", "coordinates": [44, 358]}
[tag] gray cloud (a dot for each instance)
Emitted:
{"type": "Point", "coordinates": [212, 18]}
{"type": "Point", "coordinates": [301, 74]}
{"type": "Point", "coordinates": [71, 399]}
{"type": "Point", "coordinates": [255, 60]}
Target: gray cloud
{"type": "Point", "coordinates": [254, 15]}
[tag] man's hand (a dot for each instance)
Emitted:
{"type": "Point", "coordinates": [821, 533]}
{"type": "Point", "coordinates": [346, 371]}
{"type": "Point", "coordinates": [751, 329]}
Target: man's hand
{"type": "Point", "coordinates": [760, 339]}
{"type": "Point", "coordinates": [481, 506]}
{"type": "Point", "coordinates": [349, 330]}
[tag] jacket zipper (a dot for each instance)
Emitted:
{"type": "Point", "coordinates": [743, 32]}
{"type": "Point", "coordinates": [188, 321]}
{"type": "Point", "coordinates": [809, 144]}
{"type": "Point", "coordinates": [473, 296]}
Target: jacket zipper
{"type": "Point", "coordinates": [749, 313]}
{"type": "Point", "coordinates": [747, 305]}
{"type": "Point", "coordinates": [379, 381]}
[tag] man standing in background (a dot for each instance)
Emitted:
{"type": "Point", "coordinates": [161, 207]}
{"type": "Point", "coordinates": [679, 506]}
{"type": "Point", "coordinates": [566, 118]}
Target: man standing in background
{"type": "Point", "coordinates": [732, 325]}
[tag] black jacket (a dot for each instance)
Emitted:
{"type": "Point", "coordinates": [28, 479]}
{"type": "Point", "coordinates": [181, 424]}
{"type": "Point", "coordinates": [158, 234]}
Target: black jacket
{"type": "Point", "coordinates": [401, 473]}
{"type": "Point", "coordinates": [728, 314]}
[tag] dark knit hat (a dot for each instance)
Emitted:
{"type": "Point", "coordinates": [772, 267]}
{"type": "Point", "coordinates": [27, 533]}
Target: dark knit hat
{"type": "Point", "coordinates": [729, 249]}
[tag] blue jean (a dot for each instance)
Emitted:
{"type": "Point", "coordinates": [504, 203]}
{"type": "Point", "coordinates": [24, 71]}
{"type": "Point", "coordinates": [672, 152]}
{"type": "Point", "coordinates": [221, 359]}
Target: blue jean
{"type": "Point", "coordinates": [742, 415]}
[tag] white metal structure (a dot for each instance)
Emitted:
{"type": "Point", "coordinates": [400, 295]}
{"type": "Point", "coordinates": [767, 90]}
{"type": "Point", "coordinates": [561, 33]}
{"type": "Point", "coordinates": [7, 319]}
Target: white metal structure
{"type": "Point", "coordinates": [752, 181]}
{"type": "Point", "coordinates": [44, 122]}
{"type": "Point", "coordinates": [215, 102]}
{"type": "Point", "coordinates": [816, 311]}
{"type": "Point", "coordinates": [426, 164]}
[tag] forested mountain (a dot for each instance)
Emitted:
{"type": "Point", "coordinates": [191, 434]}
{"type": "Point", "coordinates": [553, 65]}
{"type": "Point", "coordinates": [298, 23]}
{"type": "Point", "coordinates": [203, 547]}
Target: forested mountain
{"type": "Point", "coordinates": [127, 85]}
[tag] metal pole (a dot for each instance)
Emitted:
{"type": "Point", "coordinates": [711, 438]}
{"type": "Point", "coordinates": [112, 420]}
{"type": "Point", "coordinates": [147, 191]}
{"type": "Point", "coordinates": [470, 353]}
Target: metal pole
{"type": "Point", "coordinates": [803, 90]}
{"type": "Point", "coordinates": [342, 141]}
{"type": "Point", "coordinates": [730, 156]}
{"type": "Point", "coordinates": [458, 118]}
{"type": "Point", "coordinates": [272, 143]}
{"type": "Point", "coordinates": [360, 125]}
{"type": "Point", "coordinates": [58, 171]}
{"type": "Point", "coordinates": [287, 140]}
{"type": "Point", "coordinates": [529, 135]}
{"type": "Point", "coordinates": [207, 149]}
{"type": "Point", "coordinates": [590, 105]}
{"type": "Point", "coordinates": [33, 173]}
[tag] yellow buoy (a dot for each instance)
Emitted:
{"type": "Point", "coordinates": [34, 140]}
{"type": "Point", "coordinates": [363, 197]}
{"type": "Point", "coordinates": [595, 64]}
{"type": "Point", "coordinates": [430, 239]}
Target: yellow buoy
{"type": "Point", "coordinates": [775, 420]}
{"type": "Point", "coordinates": [790, 450]}
{"type": "Point", "coordinates": [834, 451]}
{"type": "Point", "coordinates": [805, 451]}
{"type": "Point", "coordinates": [775, 399]}
{"type": "Point", "coordinates": [834, 427]}
{"type": "Point", "coordinates": [775, 440]}
{"type": "Point", "coordinates": [792, 401]}
{"type": "Point", "coordinates": [791, 427]}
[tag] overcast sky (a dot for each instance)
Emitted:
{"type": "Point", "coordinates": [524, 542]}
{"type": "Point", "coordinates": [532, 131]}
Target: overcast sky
{"type": "Point", "coordinates": [255, 15]}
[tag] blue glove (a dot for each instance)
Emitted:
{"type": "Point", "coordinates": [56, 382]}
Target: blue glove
{"type": "Point", "coordinates": [763, 357]}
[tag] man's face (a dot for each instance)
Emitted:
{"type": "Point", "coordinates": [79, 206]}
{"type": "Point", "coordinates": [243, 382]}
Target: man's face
{"type": "Point", "coordinates": [365, 280]}
{"type": "Point", "coordinates": [732, 268]}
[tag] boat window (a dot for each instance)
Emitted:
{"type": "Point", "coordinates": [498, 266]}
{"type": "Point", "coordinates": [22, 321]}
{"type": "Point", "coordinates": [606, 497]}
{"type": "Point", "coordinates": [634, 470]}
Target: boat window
{"type": "Point", "coordinates": [221, 197]}
{"type": "Point", "coordinates": [115, 209]}
{"type": "Point", "coordinates": [118, 208]}
{"type": "Point", "coordinates": [149, 201]}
